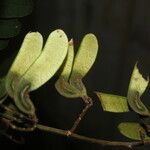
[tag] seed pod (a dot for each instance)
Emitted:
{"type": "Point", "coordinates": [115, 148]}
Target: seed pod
{"type": "Point", "coordinates": [51, 58]}
{"type": "Point", "coordinates": [28, 53]}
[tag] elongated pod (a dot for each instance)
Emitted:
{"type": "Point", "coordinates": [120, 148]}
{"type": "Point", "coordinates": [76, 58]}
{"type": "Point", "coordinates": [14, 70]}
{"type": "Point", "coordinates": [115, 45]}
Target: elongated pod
{"type": "Point", "coordinates": [67, 68]}
{"type": "Point", "coordinates": [136, 88]}
{"type": "Point", "coordinates": [85, 56]}
{"type": "Point", "coordinates": [75, 71]}
{"type": "Point", "coordinates": [62, 85]}
{"type": "Point", "coordinates": [51, 58]}
{"type": "Point", "coordinates": [28, 53]}
{"type": "Point", "coordinates": [83, 62]}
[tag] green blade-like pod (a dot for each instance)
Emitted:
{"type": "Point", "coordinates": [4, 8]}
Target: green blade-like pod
{"type": "Point", "coordinates": [85, 56]}
{"type": "Point", "coordinates": [136, 88]}
{"type": "Point", "coordinates": [28, 53]}
{"type": "Point", "coordinates": [9, 28]}
{"type": "Point", "coordinates": [50, 60]}
{"type": "Point", "coordinates": [83, 62]}
{"type": "Point", "coordinates": [67, 68]}
{"type": "Point", "coordinates": [113, 103]}
{"type": "Point", "coordinates": [62, 85]}
{"type": "Point", "coordinates": [15, 8]}
{"type": "Point", "coordinates": [133, 131]}
{"type": "Point", "coordinates": [52, 57]}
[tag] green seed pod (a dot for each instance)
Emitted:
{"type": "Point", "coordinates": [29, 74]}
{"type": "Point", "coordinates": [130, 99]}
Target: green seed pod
{"type": "Point", "coordinates": [85, 56]}
{"type": "Point", "coordinates": [28, 53]}
{"type": "Point", "coordinates": [70, 82]}
{"type": "Point", "coordinates": [83, 62]}
{"type": "Point", "coordinates": [136, 88]}
{"type": "Point", "coordinates": [51, 58]}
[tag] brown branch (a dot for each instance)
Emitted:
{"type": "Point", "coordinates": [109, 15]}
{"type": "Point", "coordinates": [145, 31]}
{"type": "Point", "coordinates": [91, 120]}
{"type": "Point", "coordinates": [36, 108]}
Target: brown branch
{"type": "Point", "coordinates": [93, 140]}
{"type": "Point", "coordinates": [88, 103]}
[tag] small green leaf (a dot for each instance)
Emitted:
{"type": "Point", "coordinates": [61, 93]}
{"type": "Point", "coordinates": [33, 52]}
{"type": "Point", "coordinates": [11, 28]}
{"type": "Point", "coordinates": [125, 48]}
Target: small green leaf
{"type": "Point", "coordinates": [30, 50]}
{"type": "Point", "coordinates": [85, 56]}
{"type": "Point", "coordinates": [133, 130]}
{"type": "Point", "coordinates": [9, 28]}
{"type": "Point", "coordinates": [51, 58]}
{"type": "Point", "coordinates": [15, 8]}
{"type": "Point", "coordinates": [136, 88]}
{"type": "Point", "coordinates": [113, 103]}
{"type": "Point", "coordinates": [3, 44]}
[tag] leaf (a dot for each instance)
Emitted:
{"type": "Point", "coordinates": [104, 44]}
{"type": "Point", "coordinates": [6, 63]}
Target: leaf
{"type": "Point", "coordinates": [136, 88]}
{"type": "Point", "coordinates": [9, 28]}
{"type": "Point", "coordinates": [51, 58]}
{"type": "Point", "coordinates": [83, 62]}
{"type": "Point", "coordinates": [3, 44]}
{"type": "Point", "coordinates": [30, 50]}
{"type": "Point", "coordinates": [15, 8]}
{"type": "Point", "coordinates": [133, 130]}
{"type": "Point", "coordinates": [113, 103]}
{"type": "Point", "coordinates": [85, 56]}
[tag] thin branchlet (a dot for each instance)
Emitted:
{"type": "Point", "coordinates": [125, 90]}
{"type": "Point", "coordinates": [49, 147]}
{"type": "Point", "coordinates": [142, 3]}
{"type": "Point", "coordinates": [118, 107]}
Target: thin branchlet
{"type": "Point", "coordinates": [88, 103]}
{"type": "Point", "coordinates": [101, 142]}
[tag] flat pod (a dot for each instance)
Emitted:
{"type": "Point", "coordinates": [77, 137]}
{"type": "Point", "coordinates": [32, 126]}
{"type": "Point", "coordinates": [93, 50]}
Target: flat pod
{"type": "Point", "coordinates": [62, 85]}
{"type": "Point", "coordinates": [67, 68]}
{"type": "Point", "coordinates": [73, 72]}
{"type": "Point", "coordinates": [83, 62]}
{"type": "Point", "coordinates": [136, 88]}
{"type": "Point", "coordinates": [28, 53]}
{"type": "Point", "coordinates": [51, 58]}
{"type": "Point", "coordinates": [85, 56]}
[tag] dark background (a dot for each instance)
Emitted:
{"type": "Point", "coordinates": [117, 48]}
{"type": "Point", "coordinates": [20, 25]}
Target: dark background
{"type": "Point", "coordinates": [123, 32]}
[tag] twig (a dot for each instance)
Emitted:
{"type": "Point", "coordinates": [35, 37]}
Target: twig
{"type": "Point", "coordinates": [93, 140]}
{"type": "Point", "coordinates": [9, 119]}
{"type": "Point", "coordinates": [88, 103]}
